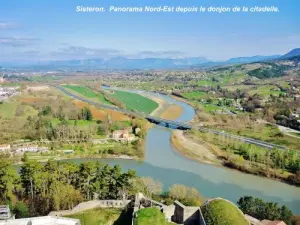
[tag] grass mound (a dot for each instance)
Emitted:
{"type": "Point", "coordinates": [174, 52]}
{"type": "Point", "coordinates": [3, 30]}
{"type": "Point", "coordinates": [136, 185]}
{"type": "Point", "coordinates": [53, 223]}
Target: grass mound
{"type": "Point", "coordinates": [103, 216]}
{"type": "Point", "coordinates": [222, 212]}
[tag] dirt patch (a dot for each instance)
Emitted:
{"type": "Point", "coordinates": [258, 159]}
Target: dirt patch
{"type": "Point", "coordinates": [199, 152]}
{"type": "Point", "coordinates": [172, 112]}
{"type": "Point", "coordinates": [102, 114]}
{"type": "Point", "coordinates": [116, 116]}
{"type": "Point", "coordinates": [31, 100]}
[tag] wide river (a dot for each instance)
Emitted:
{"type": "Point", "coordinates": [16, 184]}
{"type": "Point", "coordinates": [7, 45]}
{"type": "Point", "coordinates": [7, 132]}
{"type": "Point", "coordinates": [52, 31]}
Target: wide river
{"type": "Point", "coordinates": [164, 164]}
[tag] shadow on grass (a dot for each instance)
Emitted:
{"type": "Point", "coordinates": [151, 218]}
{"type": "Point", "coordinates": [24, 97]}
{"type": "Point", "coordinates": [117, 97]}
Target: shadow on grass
{"type": "Point", "coordinates": [125, 218]}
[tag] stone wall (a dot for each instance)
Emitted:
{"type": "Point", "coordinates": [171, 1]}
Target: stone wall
{"type": "Point", "coordinates": [91, 205]}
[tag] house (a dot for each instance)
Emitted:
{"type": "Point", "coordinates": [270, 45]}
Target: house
{"type": "Point", "coordinates": [123, 135]}
{"type": "Point", "coordinates": [117, 134]}
{"type": "Point", "coordinates": [42, 220]}
{"type": "Point", "coordinates": [275, 222]}
{"type": "Point", "coordinates": [43, 149]}
{"type": "Point", "coordinates": [4, 212]}
{"type": "Point", "coordinates": [5, 148]}
{"type": "Point", "coordinates": [37, 88]}
{"type": "Point", "coordinates": [294, 116]}
{"type": "Point", "coordinates": [32, 148]}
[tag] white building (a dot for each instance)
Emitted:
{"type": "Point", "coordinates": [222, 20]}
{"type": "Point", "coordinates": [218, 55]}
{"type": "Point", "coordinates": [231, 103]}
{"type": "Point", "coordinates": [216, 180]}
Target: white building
{"type": "Point", "coordinates": [43, 220]}
{"type": "Point", "coordinates": [32, 148]}
{"type": "Point", "coordinates": [4, 148]}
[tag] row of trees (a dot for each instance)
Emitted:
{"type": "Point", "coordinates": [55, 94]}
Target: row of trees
{"type": "Point", "coordinates": [259, 209]}
{"type": "Point", "coordinates": [286, 160]}
{"type": "Point", "coordinates": [61, 185]}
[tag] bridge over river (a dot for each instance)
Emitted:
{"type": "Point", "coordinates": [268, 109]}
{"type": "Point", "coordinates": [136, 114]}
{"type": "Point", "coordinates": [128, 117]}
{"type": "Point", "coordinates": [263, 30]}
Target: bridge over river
{"type": "Point", "coordinates": [176, 124]}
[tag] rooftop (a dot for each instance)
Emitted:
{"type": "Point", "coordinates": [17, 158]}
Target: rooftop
{"type": "Point", "coordinates": [44, 220]}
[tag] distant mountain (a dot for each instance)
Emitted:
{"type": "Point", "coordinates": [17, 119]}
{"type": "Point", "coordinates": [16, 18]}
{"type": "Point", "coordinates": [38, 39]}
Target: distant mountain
{"type": "Point", "coordinates": [292, 53]}
{"type": "Point", "coordinates": [127, 63]}
{"type": "Point", "coordinates": [257, 58]}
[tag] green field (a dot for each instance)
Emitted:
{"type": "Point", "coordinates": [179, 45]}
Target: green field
{"type": "Point", "coordinates": [232, 78]}
{"type": "Point", "coordinates": [8, 109]}
{"type": "Point", "coordinates": [205, 83]}
{"type": "Point", "coordinates": [266, 91]}
{"type": "Point", "coordinates": [270, 134]}
{"type": "Point", "coordinates": [80, 123]}
{"type": "Point", "coordinates": [210, 107]}
{"type": "Point", "coordinates": [222, 212]}
{"type": "Point", "coordinates": [103, 217]}
{"type": "Point", "coordinates": [240, 87]}
{"type": "Point", "coordinates": [194, 95]}
{"type": "Point", "coordinates": [135, 101]}
{"type": "Point", "coordinates": [151, 216]}
{"type": "Point", "coordinates": [86, 92]}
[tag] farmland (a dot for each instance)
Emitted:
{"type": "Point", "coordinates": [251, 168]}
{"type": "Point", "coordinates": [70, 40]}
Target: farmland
{"type": "Point", "coordinates": [194, 95]}
{"type": "Point", "coordinates": [135, 101]}
{"type": "Point", "coordinates": [86, 92]}
{"type": "Point", "coordinates": [8, 109]}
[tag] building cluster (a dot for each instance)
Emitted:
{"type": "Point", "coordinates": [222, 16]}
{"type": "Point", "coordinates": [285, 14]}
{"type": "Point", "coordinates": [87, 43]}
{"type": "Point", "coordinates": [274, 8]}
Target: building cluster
{"type": "Point", "coordinates": [125, 135]}
{"type": "Point", "coordinates": [7, 92]}
{"type": "Point", "coordinates": [21, 148]}
{"type": "Point", "coordinates": [254, 221]}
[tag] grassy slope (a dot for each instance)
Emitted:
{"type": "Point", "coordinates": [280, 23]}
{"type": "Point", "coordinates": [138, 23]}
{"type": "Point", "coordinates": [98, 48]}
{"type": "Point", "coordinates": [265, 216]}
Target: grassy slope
{"type": "Point", "coordinates": [266, 90]}
{"type": "Point", "coordinates": [135, 101]}
{"type": "Point", "coordinates": [151, 216]}
{"type": "Point", "coordinates": [103, 217]}
{"type": "Point", "coordinates": [88, 93]}
{"type": "Point", "coordinates": [222, 212]}
{"type": "Point", "coordinates": [194, 94]}
{"type": "Point", "coordinates": [8, 109]}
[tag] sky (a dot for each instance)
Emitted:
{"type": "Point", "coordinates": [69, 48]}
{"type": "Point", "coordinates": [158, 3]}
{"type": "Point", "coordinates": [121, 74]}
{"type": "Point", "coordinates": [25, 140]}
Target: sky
{"type": "Point", "coordinates": [39, 30]}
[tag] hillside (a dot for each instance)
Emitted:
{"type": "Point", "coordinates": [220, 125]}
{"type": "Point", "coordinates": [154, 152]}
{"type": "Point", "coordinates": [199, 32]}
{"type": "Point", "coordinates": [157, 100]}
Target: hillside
{"type": "Point", "coordinates": [292, 53]}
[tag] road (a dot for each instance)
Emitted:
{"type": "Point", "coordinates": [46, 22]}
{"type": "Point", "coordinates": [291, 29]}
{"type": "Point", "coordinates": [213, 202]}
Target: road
{"type": "Point", "coordinates": [180, 125]}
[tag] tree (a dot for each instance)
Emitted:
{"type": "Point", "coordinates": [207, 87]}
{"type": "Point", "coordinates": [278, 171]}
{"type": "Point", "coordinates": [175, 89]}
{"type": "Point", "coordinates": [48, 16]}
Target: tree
{"type": "Point", "coordinates": [87, 114]}
{"type": "Point", "coordinates": [186, 195]}
{"type": "Point", "coordinates": [259, 209]}
{"type": "Point", "coordinates": [21, 210]}
{"type": "Point", "coordinates": [147, 186]}
{"type": "Point", "coordinates": [8, 181]}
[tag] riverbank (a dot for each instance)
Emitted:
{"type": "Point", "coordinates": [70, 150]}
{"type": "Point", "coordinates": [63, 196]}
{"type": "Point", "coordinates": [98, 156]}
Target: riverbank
{"type": "Point", "coordinates": [199, 152]}
{"type": "Point", "coordinates": [172, 112]}
{"type": "Point", "coordinates": [204, 152]}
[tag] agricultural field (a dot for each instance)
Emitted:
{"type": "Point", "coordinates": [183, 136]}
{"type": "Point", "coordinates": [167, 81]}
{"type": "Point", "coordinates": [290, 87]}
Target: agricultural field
{"type": "Point", "coordinates": [266, 91]}
{"type": "Point", "coordinates": [103, 217]}
{"type": "Point", "coordinates": [268, 133]}
{"type": "Point", "coordinates": [86, 92]}
{"type": "Point", "coordinates": [8, 109]}
{"type": "Point", "coordinates": [205, 83]}
{"type": "Point", "coordinates": [102, 114]}
{"type": "Point", "coordinates": [210, 107]}
{"type": "Point", "coordinates": [194, 95]}
{"type": "Point", "coordinates": [239, 86]}
{"type": "Point", "coordinates": [135, 101]}
{"type": "Point", "coordinates": [232, 78]}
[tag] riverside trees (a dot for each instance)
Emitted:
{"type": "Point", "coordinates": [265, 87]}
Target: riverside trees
{"type": "Point", "coordinates": [60, 185]}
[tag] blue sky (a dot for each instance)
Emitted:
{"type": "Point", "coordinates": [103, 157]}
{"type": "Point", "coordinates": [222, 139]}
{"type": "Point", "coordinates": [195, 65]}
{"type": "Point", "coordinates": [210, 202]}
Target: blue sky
{"type": "Point", "coordinates": [53, 30]}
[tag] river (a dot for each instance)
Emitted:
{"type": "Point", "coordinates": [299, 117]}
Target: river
{"type": "Point", "coordinates": [164, 164]}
